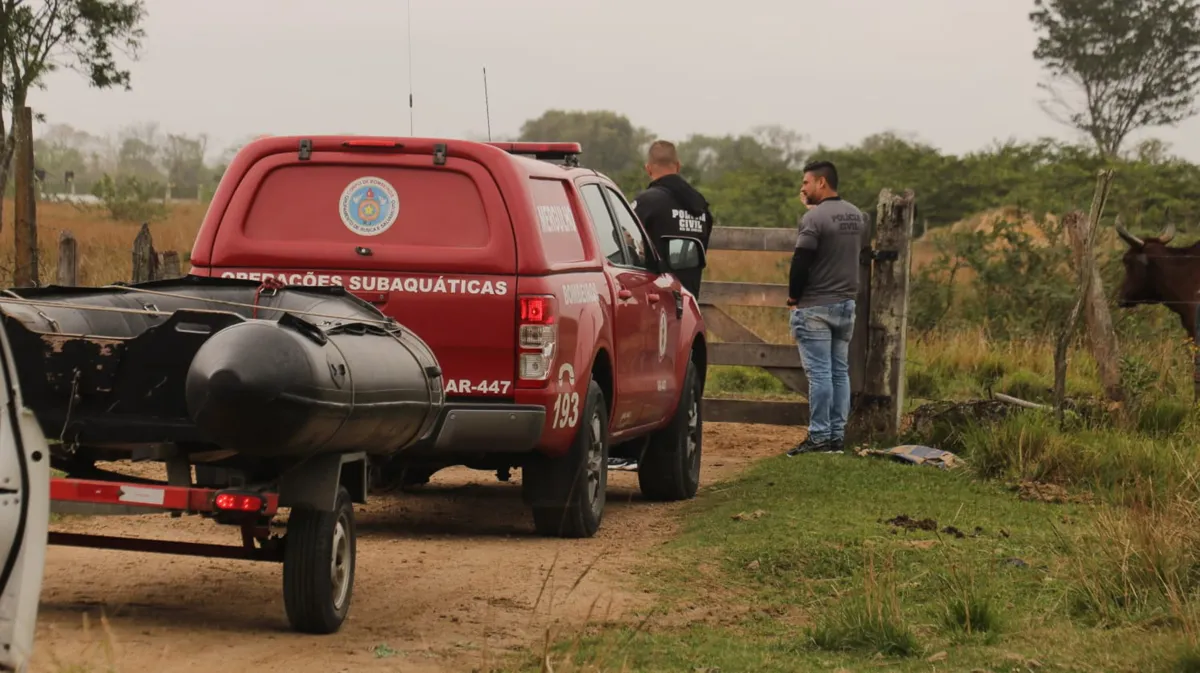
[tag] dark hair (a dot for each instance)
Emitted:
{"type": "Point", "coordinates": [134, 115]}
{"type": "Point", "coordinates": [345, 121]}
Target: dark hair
{"type": "Point", "coordinates": [823, 169]}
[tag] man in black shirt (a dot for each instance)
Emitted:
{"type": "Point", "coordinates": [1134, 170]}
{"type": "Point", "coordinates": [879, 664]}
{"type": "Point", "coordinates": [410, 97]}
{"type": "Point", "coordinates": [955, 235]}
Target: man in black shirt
{"type": "Point", "coordinates": [669, 206]}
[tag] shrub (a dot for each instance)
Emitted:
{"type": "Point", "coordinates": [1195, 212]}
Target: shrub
{"type": "Point", "coordinates": [129, 199]}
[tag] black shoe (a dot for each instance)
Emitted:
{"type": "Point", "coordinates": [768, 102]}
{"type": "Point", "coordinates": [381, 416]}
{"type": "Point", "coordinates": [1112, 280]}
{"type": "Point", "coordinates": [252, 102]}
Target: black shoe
{"type": "Point", "coordinates": [837, 445]}
{"type": "Point", "coordinates": [809, 446]}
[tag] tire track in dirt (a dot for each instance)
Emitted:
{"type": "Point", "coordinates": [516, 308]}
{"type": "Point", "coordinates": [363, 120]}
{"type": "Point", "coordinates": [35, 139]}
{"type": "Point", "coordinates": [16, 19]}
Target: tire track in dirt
{"type": "Point", "coordinates": [447, 579]}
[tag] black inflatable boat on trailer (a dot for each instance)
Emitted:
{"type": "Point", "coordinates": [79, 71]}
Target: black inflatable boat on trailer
{"type": "Point", "coordinates": [277, 396]}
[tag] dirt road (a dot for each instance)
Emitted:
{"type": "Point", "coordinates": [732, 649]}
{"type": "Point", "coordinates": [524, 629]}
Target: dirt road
{"type": "Point", "coordinates": [447, 580]}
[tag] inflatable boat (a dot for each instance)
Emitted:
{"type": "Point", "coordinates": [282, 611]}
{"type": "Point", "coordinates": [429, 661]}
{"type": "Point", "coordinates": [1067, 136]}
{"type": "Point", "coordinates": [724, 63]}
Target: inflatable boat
{"type": "Point", "coordinates": [221, 369]}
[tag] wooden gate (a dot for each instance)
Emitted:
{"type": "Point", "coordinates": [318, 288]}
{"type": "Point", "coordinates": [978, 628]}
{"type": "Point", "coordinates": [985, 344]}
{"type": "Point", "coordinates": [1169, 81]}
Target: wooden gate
{"type": "Point", "coordinates": [877, 348]}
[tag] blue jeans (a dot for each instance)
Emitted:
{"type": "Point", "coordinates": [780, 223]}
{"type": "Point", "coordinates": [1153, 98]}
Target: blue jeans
{"type": "Point", "coordinates": [823, 335]}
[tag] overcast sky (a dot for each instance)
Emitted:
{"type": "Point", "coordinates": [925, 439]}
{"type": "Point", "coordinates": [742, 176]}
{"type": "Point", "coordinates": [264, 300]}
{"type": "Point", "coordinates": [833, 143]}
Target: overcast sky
{"type": "Point", "coordinates": [956, 73]}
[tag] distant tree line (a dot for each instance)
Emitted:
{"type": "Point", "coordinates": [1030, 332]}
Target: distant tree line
{"type": "Point", "coordinates": [139, 154]}
{"type": "Point", "coordinates": [1113, 67]}
{"type": "Point", "coordinates": [752, 180]}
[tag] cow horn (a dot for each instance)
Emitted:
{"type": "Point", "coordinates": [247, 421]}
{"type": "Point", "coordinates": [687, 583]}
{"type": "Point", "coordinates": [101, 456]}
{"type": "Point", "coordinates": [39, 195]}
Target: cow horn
{"type": "Point", "coordinates": [1168, 233]}
{"type": "Point", "coordinates": [1128, 237]}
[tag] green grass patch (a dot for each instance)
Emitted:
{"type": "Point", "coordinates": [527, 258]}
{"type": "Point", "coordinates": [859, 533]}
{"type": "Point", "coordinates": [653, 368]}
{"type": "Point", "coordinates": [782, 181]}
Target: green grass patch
{"type": "Point", "coordinates": [870, 622]}
{"type": "Point", "coordinates": [833, 561]}
{"type": "Point", "coordinates": [1147, 456]}
{"type": "Point", "coordinates": [743, 382]}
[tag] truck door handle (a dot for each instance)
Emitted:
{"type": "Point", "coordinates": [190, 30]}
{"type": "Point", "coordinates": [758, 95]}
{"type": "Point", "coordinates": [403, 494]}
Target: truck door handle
{"type": "Point", "coordinates": [624, 294]}
{"type": "Point", "coordinates": [653, 297]}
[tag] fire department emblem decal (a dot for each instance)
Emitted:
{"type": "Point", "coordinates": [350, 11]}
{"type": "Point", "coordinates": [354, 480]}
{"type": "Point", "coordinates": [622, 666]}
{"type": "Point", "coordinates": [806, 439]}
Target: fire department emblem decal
{"type": "Point", "coordinates": [662, 334]}
{"type": "Point", "coordinates": [369, 206]}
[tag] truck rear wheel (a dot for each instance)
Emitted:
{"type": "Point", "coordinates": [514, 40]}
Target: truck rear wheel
{"type": "Point", "coordinates": [568, 492]}
{"type": "Point", "coordinates": [318, 566]}
{"type": "Point", "coordinates": [670, 467]}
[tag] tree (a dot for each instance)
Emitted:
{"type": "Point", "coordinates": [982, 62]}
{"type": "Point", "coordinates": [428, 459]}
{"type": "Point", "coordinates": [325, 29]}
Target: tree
{"type": "Point", "coordinates": [1131, 63]}
{"type": "Point", "coordinates": [611, 143]}
{"type": "Point", "coordinates": [38, 37]}
{"type": "Point", "coordinates": [706, 158]}
{"type": "Point", "coordinates": [139, 152]}
{"type": "Point", "coordinates": [183, 158]}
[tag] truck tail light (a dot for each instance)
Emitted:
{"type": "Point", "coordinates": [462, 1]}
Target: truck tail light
{"type": "Point", "coordinates": [537, 339]}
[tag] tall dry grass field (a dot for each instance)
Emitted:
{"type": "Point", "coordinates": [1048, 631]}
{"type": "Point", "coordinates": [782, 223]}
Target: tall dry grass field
{"type": "Point", "coordinates": [105, 256]}
{"type": "Point", "coordinates": [965, 362]}
{"type": "Point", "coordinates": [105, 247]}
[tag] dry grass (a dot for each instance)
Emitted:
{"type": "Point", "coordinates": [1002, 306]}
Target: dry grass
{"type": "Point", "coordinates": [1141, 564]}
{"type": "Point", "coordinates": [105, 246]}
{"type": "Point", "coordinates": [942, 364]}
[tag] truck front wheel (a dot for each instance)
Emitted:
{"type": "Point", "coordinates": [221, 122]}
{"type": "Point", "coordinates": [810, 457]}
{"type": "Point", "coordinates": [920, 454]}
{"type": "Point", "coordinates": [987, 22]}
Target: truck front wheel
{"type": "Point", "coordinates": [670, 467]}
{"type": "Point", "coordinates": [568, 492]}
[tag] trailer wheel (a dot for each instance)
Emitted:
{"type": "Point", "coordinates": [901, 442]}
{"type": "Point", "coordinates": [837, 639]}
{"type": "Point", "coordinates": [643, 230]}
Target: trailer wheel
{"type": "Point", "coordinates": [318, 566]}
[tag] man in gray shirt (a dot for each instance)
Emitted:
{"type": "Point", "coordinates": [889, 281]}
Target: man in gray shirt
{"type": "Point", "coordinates": [822, 286]}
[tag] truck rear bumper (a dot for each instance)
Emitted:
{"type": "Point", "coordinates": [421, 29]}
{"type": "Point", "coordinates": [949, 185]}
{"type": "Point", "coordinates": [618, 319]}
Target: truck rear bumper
{"type": "Point", "coordinates": [488, 428]}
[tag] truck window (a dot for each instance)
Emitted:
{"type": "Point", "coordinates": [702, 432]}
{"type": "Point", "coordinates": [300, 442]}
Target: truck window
{"type": "Point", "coordinates": [635, 240]}
{"type": "Point", "coordinates": [556, 220]}
{"type": "Point", "coordinates": [602, 224]}
{"type": "Point", "coordinates": [434, 208]}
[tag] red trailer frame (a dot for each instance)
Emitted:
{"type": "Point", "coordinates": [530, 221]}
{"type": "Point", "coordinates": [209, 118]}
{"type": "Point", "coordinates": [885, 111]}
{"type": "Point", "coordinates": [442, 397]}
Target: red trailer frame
{"type": "Point", "coordinates": [317, 551]}
{"type": "Point", "coordinates": [250, 510]}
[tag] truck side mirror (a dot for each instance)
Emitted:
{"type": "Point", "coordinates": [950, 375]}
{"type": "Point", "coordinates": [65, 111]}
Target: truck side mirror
{"type": "Point", "coordinates": [684, 253]}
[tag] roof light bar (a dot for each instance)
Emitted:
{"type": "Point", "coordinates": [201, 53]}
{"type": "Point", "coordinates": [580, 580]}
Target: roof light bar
{"type": "Point", "coordinates": [377, 143]}
{"type": "Point", "coordinates": [564, 152]}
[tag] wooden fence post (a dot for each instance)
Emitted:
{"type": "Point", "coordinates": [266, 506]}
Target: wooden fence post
{"type": "Point", "coordinates": [168, 265]}
{"type": "Point", "coordinates": [1103, 185]}
{"type": "Point", "coordinates": [1101, 338]}
{"type": "Point", "coordinates": [144, 259]}
{"type": "Point", "coordinates": [887, 317]}
{"type": "Point", "coordinates": [25, 272]}
{"type": "Point", "coordinates": [68, 260]}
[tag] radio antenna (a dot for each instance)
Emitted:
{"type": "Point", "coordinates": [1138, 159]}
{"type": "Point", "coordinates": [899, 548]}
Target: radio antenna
{"type": "Point", "coordinates": [486, 105]}
{"type": "Point", "coordinates": [410, 79]}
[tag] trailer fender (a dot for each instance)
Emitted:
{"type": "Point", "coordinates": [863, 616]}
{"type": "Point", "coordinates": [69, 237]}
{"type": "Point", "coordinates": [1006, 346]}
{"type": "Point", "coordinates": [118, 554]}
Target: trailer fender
{"type": "Point", "coordinates": [313, 483]}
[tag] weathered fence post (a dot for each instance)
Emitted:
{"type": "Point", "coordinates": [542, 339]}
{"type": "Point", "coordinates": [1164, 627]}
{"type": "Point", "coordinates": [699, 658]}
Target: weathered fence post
{"type": "Point", "coordinates": [168, 265]}
{"type": "Point", "coordinates": [1102, 339]}
{"type": "Point", "coordinates": [1099, 199]}
{"type": "Point", "coordinates": [25, 271]}
{"type": "Point", "coordinates": [887, 316]}
{"type": "Point", "coordinates": [68, 260]}
{"type": "Point", "coordinates": [144, 259]}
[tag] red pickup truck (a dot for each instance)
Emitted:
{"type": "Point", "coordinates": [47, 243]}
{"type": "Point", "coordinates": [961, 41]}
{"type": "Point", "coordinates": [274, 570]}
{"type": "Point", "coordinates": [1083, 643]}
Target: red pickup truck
{"type": "Point", "coordinates": [562, 335]}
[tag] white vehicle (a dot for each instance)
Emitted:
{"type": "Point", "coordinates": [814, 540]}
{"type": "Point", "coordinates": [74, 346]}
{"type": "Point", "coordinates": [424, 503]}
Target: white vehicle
{"type": "Point", "coordinates": [24, 517]}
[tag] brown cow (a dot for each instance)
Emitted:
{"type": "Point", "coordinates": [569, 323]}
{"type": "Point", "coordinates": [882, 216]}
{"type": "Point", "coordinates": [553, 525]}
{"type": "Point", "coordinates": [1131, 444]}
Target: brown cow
{"type": "Point", "coordinates": [1157, 274]}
